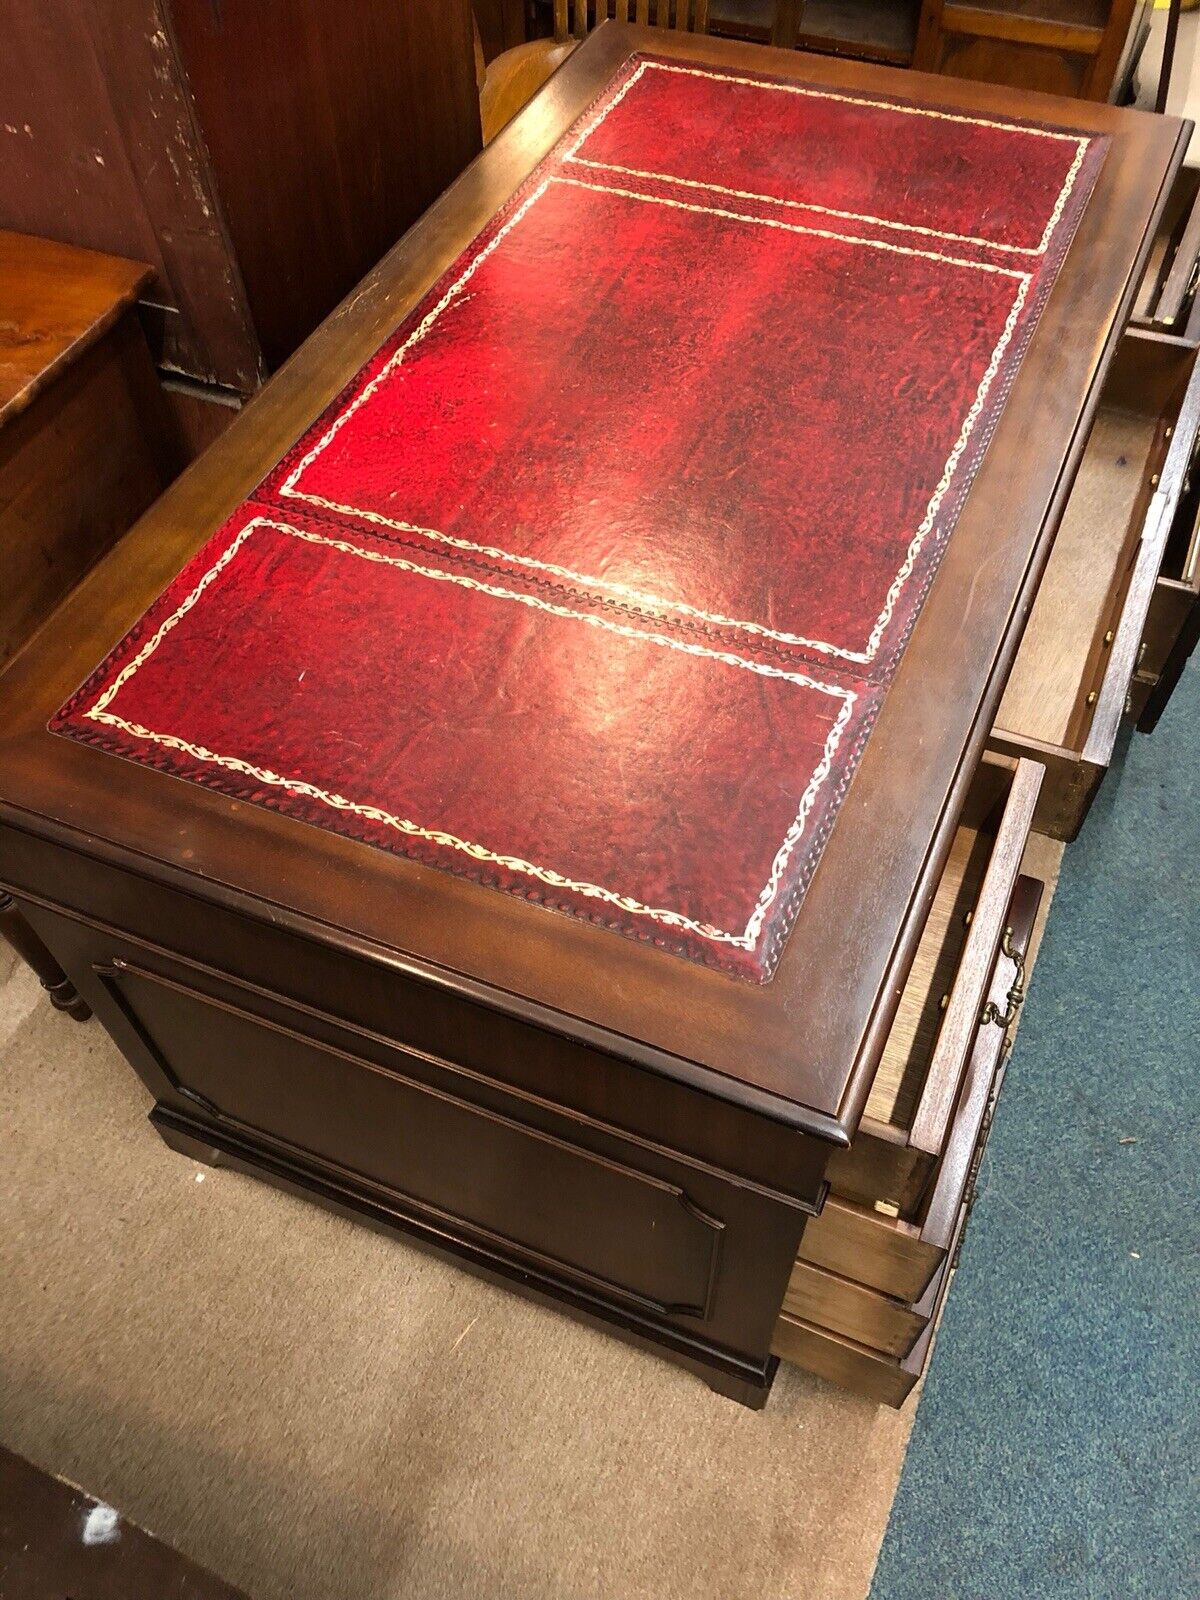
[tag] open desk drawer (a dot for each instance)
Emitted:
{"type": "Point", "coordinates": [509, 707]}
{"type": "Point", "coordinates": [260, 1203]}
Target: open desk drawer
{"type": "Point", "coordinates": [911, 1108]}
{"type": "Point", "coordinates": [1166, 299]}
{"type": "Point", "coordinates": [1130, 508]}
{"type": "Point", "coordinates": [870, 1266]}
{"type": "Point", "coordinates": [1173, 620]}
{"type": "Point", "coordinates": [867, 1288]}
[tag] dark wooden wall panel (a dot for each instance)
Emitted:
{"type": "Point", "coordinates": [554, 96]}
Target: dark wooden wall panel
{"type": "Point", "coordinates": [260, 155]}
{"type": "Point", "coordinates": [98, 149]}
{"type": "Point", "coordinates": [330, 129]}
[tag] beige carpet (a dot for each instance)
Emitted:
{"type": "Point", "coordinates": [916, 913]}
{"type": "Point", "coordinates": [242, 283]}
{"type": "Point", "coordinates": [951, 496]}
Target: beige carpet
{"type": "Point", "coordinates": [312, 1410]}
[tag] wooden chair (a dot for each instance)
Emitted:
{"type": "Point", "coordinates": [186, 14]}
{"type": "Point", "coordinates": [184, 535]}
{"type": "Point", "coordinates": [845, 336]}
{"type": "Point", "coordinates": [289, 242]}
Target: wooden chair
{"type": "Point", "coordinates": [1080, 48]}
{"type": "Point", "coordinates": [510, 81]}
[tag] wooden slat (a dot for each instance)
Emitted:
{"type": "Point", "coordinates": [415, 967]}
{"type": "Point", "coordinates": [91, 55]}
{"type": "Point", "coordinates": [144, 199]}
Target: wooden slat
{"type": "Point", "coordinates": [785, 29]}
{"type": "Point", "coordinates": [961, 1020]}
{"type": "Point", "coordinates": [622, 10]}
{"type": "Point", "coordinates": [561, 31]}
{"type": "Point", "coordinates": [701, 9]}
{"type": "Point", "coordinates": [976, 23]}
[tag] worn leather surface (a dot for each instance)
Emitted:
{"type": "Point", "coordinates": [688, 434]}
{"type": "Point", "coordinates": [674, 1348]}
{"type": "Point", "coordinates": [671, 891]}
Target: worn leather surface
{"type": "Point", "coordinates": [590, 585]}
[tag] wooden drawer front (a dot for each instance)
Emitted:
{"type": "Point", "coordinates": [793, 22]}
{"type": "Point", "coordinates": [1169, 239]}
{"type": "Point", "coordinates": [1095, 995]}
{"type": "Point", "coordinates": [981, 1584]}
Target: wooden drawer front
{"type": "Point", "coordinates": [883, 1253]}
{"type": "Point", "coordinates": [853, 1311]}
{"type": "Point", "coordinates": [1167, 296]}
{"type": "Point", "coordinates": [1131, 515]}
{"type": "Point", "coordinates": [901, 1256]}
{"type": "Point", "coordinates": [1171, 606]}
{"type": "Point", "coordinates": [843, 1361]}
{"type": "Point", "coordinates": [1172, 633]}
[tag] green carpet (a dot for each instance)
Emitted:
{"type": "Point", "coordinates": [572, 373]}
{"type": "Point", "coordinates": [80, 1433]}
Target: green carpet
{"type": "Point", "coordinates": [1055, 1447]}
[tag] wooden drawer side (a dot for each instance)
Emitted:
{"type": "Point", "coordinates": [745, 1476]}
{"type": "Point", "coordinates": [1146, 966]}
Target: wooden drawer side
{"type": "Point", "coordinates": [852, 1310]}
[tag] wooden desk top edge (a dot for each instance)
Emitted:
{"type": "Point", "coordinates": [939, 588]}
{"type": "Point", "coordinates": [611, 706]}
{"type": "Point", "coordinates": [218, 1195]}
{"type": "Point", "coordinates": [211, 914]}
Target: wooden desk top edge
{"type": "Point", "coordinates": [803, 1047]}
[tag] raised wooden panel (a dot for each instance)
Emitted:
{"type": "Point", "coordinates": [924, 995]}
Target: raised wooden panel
{"type": "Point", "coordinates": [614, 1227]}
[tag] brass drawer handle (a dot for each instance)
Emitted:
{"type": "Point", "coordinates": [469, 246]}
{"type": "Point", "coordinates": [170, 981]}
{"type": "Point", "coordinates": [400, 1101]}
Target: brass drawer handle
{"type": "Point", "coordinates": [1016, 995]}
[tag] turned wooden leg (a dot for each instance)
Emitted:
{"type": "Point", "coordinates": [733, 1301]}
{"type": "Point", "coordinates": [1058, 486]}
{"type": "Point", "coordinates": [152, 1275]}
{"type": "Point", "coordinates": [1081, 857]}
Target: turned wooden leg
{"type": "Point", "coordinates": [63, 994]}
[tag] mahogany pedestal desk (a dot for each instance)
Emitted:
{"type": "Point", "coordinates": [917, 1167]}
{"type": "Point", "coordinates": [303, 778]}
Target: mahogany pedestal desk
{"type": "Point", "coordinates": [545, 805]}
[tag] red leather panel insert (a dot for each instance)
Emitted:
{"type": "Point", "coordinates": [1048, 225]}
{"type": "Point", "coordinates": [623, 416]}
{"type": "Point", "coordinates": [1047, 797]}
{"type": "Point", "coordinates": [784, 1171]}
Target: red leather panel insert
{"type": "Point", "coordinates": [590, 584]}
{"type": "Point", "coordinates": [637, 779]}
{"type": "Point", "coordinates": [856, 157]}
{"type": "Point", "coordinates": [685, 439]}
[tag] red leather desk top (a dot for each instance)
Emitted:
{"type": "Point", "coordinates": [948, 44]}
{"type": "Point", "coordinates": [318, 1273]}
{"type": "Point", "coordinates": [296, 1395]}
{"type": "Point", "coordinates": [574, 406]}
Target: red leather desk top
{"type": "Point", "coordinates": [590, 584]}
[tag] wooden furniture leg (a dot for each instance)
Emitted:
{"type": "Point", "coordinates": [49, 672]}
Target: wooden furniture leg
{"type": "Point", "coordinates": [63, 994]}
